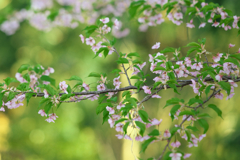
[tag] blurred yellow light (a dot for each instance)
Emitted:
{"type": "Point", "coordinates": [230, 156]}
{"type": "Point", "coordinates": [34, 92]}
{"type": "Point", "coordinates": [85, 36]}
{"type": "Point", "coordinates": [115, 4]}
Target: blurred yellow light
{"type": "Point", "coordinates": [4, 3]}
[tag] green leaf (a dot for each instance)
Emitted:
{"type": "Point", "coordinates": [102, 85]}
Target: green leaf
{"type": "Point", "coordinates": [186, 112]}
{"type": "Point", "coordinates": [207, 90]}
{"type": "Point", "coordinates": [191, 50]}
{"type": "Point", "coordinates": [159, 68]}
{"type": "Point", "coordinates": [203, 123]}
{"type": "Point", "coordinates": [122, 60]}
{"type": "Point", "coordinates": [9, 80]}
{"type": "Point", "coordinates": [141, 126]}
{"type": "Point", "coordinates": [234, 61]}
{"type": "Point", "coordinates": [194, 129]}
{"type": "Point", "coordinates": [194, 44]}
{"type": "Point", "coordinates": [138, 84]}
{"type": "Point", "coordinates": [173, 101]}
{"type": "Point", "coordinates": [134, 6]}
{"type": "Point", "coordinates": [50, 90]}
{"type": "Point", "coordinates": [112, 42]}
{"type": "Point", "coordinates": [76, 78]}
{"type": "Point", "coordinates": [94, 74]}
{"type": "Point", "coordinates": [168, 49]}
{"type": "Point", "coordinates": [146, 143]}
{"type": "Point", "coordinates": [174, 130]}
{"type": "Point", "coordinates": [201, 115]}
{"type": "Point", "coordinates": [43, 100]}
{"type": "Point", "coordinates": [47, 108]}
{"type": "Point", "coordinates": [166, 156]}
{"type": "Point", "coordinates": [125, 127]}
{"type": "Point", "coordinates": [216, 109]}
{"type": "Point", "coordinates": [144, 116]}
{"type": "Point", "coordinates": [48, 79]}
{"type": "Point", "coordinates": [226, 86]}
{"type": "Point", "coordinates": [188, 135]}
{"type": "Point", "coordinates": [1, 97]}
{"type": "Point", "coordinates": [105, 116]}
{"type": "Point", "coordinates": [135, 77]}
{"type": "Point", "coordinates": [23, 68]}
{"type": "Point", "coordinates": [126, 93]}
{"type": "Point", "coordinates": [133, 54]}
{"type": "Point", "coordinates": [53, 15]}
{"type": "Point", "coordinates": [195, 100]}
{"type": "Point", "coordinates": [174, 110]}
{"type": "Point", "coordinates": [237, 56]}
{"type": "Point", "coordinates": [154, 132]}
{"type": "Point", "coordinates": [28, 97]}
{"type": "Point", "coordinates": [90, 29]}
{"type": "Point", "coordinates": [120, 120]}
{"type": "Point", "coordinates": [102, 106]}
{"type": "Point", "coordinates": [136, 61]}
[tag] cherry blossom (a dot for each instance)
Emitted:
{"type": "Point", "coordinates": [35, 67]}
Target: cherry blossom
{"type": "Point", "coordinates": [90, 41]}
{"type": "Point", "coordinates": [82, 38]}
{"type": "Point", "coordinates": [101, 87]}
{"type": "Point", "coordinates": [105, 20]}
{"type": "Point", "coordinates": [175, 156]}
{"type": "Point", "coordinates": [110, 110]}
{"type": "Point", "coordinates": [146, 89]}
{"type": "Point", "coordinates": [63, 86]}
{"type": "Point", "coordinates": [42, 113]}
{"type": "Point", "coordinates": [156, 46]}
{"type": "Point", "coordinates": [167, 134]}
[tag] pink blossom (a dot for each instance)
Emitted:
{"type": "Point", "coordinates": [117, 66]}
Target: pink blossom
{"type": "Point", "coordinates": [116, 82]}
{"type": "Point", "coordinates": [219, 95]}
{"type": "Point", "coordinates": [106, 29]}
{"type": "Point", "coordinates": [215, 24]}
{"type": "Point", "coordinates": [176, 144]}
{"type": "Point", "coordinates": [2, 109]}
{"type": "Point", "coordinates": [42, 113]}
{"type": "Point", "coordinates": [63, 86]}
{"type": "Point", "coordinates": [49, 120]}
{"type": "Point", "coordinates": [20, 78]}
{"type": "Point", "coordinates": [82, 38]}
{"type": "Point", "coordinates": [119, 127]}
{"type": "Point", "coordinates": [101, 87]}
{"type": "Point", "coordinates": [46, 95]}
{"type": "Point", "coordinates": [90, 41]}
{"type": "Point", "coordinates": [120, 136]}
{"type": "Point", "coordinates": [202, 25]}
{"type": "Point", "coordinates": [178, 15]}
{"type": "Point", "coordinates": [167, 134]}
{"type": "Point", "coordinates": [210, 20]}
{"type": "Point", "coordinates": [197, 66]}
{"type": "Point", "coordinates": [231, 45]}
{"type": "Point", "coordinates": [146, 89]}
{"type": "Point", "coordinates": [185, 137]}
{"type": "Point", "coordinates": [85, 86]}
{"type": "Point", "coordinates": [156, 46]}
{"type": "Point", "coordinates": [190, 25]}
{"type": "Point", "coordinates": [111, 122]}
{"type": "Point", "coordinates": [201, 137]}
{"type": "Point", "coordinates": [188, 61]}
{"type": "Point", "coordinates": [105, 20]}
{"type": "Point", "coordinates": [217, 58]}
{"type": "Point", "coordinates": [116, 24]}
{"type": "Point", "coordinates": [156, 96]}
{"type": "Point", "coordinates": [110, 110]}
{"type": "Point", "coordinates": [175, 156]}
{"type": "Point", "coordinates": [230, 96]}
{"type": "Point", "coordinates": [53, 116]}
{"type": "Point", "coordinates": [187, 155]}
{"type": "Point", "coordinates": [120, 105]}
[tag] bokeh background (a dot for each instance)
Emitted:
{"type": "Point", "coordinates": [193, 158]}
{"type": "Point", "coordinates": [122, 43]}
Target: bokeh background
{"type": "Point", "coordinates": [78, 133]}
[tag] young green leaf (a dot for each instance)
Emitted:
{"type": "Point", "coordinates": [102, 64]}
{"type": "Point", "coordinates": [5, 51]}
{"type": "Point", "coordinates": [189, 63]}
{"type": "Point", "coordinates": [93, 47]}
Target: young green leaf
{"type": "Point", "coordinates": [141, 126]}
{"type": "Point", "coordinates": [203, 123]}
{"type": "Point", "coordinates": [216, 109]}
{"type": "Point", "coordinates": [144, 116]}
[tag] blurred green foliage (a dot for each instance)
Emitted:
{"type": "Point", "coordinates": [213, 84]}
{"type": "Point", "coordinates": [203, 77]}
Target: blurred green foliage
{"type": "Point", "coordinates": [78, 132]}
